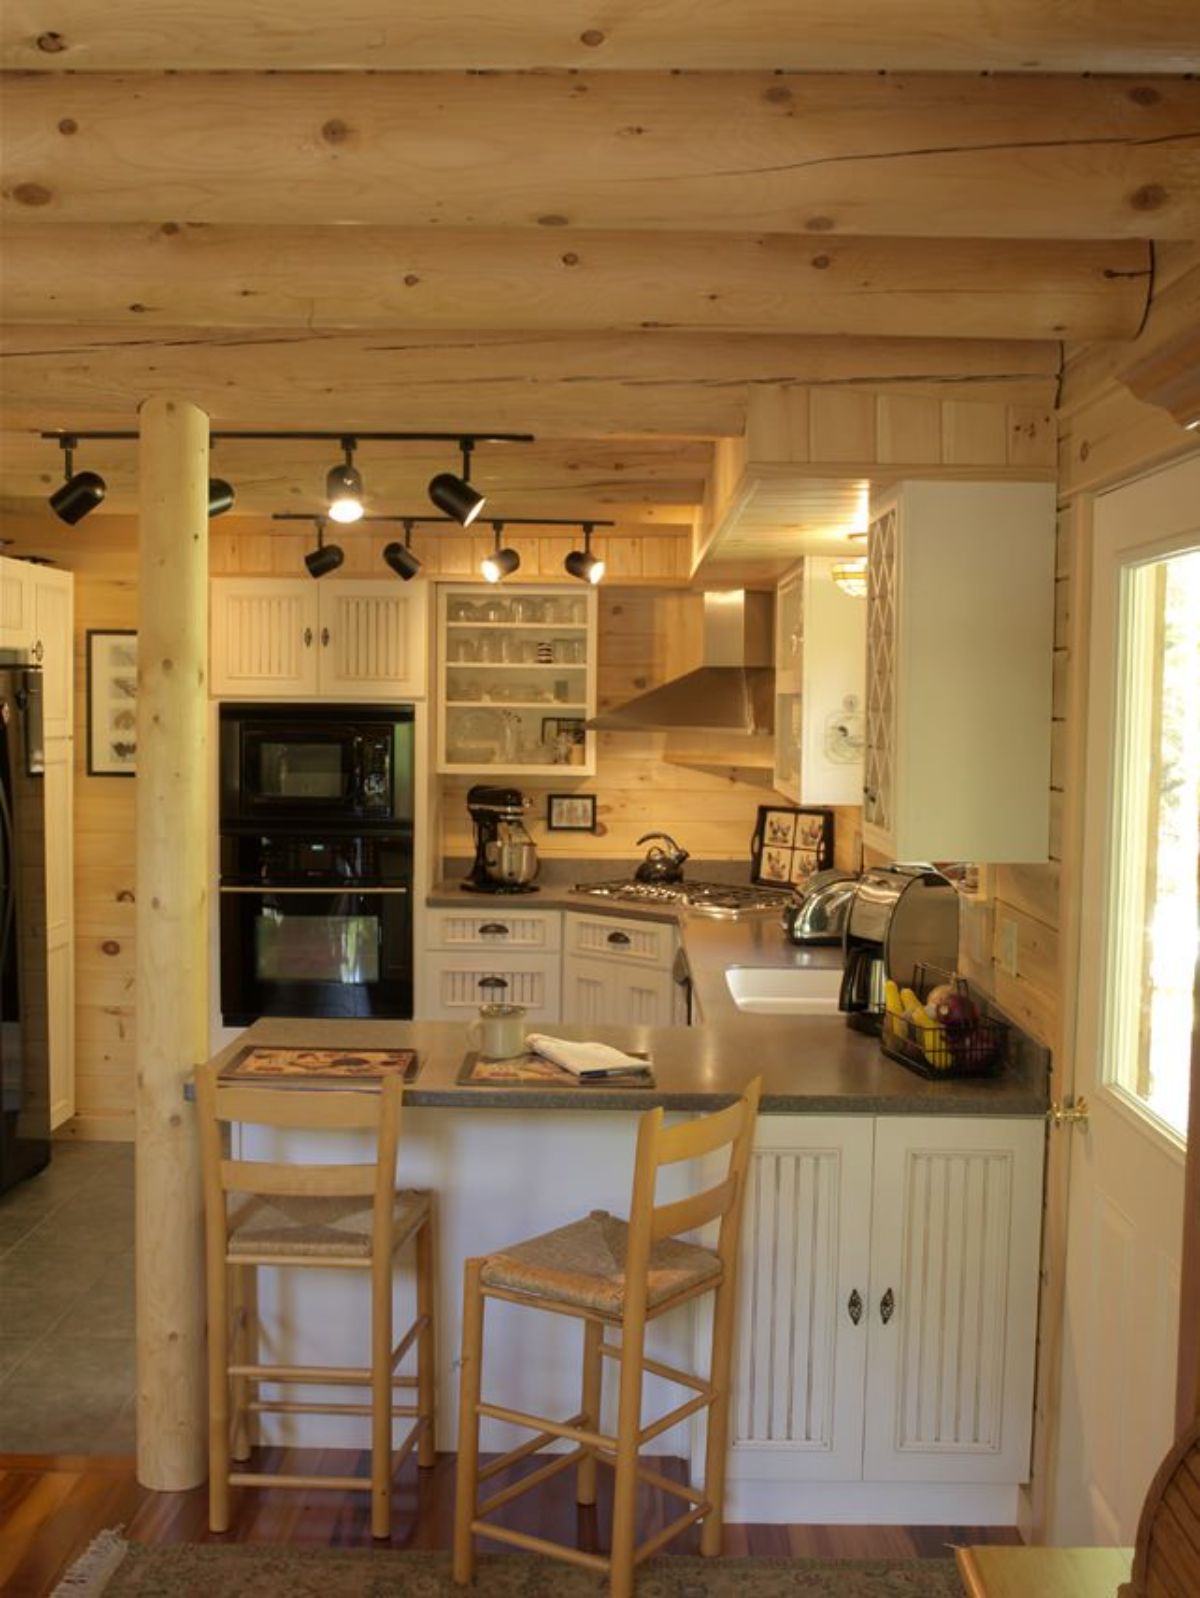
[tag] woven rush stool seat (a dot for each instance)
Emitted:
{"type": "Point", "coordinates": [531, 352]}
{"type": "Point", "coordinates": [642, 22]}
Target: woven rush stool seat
{"type": "Point", "coordinates": [330, 1228]}
{"type": "Point", "coordinates": [305, 1213]}
{"type": "Point", "coordinates": [617, 1277]}
{"type": "Point", "coordinates": [583, 1264]}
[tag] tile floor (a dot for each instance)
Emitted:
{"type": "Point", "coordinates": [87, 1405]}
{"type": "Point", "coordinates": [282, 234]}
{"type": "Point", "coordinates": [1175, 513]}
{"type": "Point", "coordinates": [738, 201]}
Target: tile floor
{"type": "Point", "coordinates": [66, 1305]}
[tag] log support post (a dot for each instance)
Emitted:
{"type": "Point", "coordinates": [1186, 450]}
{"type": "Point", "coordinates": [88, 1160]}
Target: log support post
{"type": "Point", "coordinates": [172, 939]}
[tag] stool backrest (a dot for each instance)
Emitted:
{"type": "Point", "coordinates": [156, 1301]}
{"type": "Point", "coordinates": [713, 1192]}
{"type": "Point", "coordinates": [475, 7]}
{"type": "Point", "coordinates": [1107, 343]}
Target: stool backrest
{"type": "Point", "coordinates": [304, 1109]}
{"type": "Point", "coordinates": [649, 1223]}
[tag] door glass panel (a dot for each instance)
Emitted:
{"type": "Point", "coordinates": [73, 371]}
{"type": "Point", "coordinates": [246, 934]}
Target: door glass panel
{"type": "Point", "coordinates": [1153, 908]}
{"type": "Point", "coordinates": [290, 770]}
{"type": "Point", "coordinates": [315, 948]}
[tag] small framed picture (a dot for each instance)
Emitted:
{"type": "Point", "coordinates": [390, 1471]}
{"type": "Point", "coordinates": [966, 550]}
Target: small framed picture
{"type": "Point", "coordinates": [112, 703]}
{"type": "Point", "coordinates": [570, 727]}
{"type": "Point", "coordinates": [789, 845]}
{"type": "Point", "coordinates": [571, 812]}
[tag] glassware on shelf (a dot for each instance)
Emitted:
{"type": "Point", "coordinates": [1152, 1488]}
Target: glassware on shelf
{"type": "Point", "coordinates": [578, 612]}
{"type": "Point", "coordinates": [527, 608]}
{"type": "Point", "coordinates": [462, 649]}
{"type": "Point", "coordinates": [528, 651]}
{"type": "Point", "coordinates": [491, 647]}
{"type": "Point", "coordinates": [495, 610]}
{"type": "Point", "coordinates": [461, 610]}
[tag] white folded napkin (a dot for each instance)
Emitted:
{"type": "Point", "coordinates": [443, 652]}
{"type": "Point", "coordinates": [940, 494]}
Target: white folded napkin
{"type": "Point", "coordinates": [584, 1059]}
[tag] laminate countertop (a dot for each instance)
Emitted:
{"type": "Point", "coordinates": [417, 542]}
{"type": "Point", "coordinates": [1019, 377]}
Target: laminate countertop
{"type": "Point", "coordinates": [811, 1065]}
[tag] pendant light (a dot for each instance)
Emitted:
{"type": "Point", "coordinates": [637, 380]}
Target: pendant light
{"type": "Point", "coordinates": [80, 492]}
{"type": "Point", "coordinates": [400, 556]}
{"type": "Point", "coordinates": [453, 495]}
{"type": "Point", "coordinates": [851, 576]}
{"type": "Point", "coordinates": [501, 562]}
{"type": "Point", "coordinates": [582, 563]}
{"type": "Point", "coordinates": [325, 558]}
{"type": "Point", "coordinates": [343, 487]}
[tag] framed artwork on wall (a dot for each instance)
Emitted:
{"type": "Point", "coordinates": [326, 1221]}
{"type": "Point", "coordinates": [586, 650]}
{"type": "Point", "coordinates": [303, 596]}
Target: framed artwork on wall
{"type": "Point", "coordinates": [112, 703]}
{"type": "Point", "coordinates": [571, 812]}
{"type": "Point", "coordinates": [789, 845]}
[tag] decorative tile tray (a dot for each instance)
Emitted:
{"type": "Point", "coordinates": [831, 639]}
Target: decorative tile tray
{"type": "Point", "coordinates": [532, 1071]}
{"type": "Point", "coordinates": [319, 1068]}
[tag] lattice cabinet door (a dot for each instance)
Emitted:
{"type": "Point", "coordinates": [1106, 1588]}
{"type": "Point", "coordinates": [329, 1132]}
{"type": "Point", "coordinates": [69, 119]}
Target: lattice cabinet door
{"type": "Point", "coordinates": [879, 769]}
{"type": "Point", "coordinates": [954, 1286]}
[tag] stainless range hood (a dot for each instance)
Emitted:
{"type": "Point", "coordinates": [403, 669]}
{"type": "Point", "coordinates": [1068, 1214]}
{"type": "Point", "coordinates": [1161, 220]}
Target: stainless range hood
{"type": "Point", "coordinates": [732, 691]}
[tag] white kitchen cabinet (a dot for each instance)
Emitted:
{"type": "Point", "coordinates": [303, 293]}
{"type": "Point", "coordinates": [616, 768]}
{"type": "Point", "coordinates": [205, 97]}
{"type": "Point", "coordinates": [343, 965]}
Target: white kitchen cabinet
{"type": "Point", "coordinates": [510, 945]}
{"type": "Point", "coordinates": [618, 971]}
{"type": "Point", "coordinates": [960, 637]}
{"type": "Point", "coordinates": [291, 637]}
{"type": "Point", "coordinates": [517, 677]}
{"type": "Point", "coordinates": [820, 666]}
{"type": "Point", "coordinates": [37, 618]}
{"type": "Point", "coordinates": [888, 1313]}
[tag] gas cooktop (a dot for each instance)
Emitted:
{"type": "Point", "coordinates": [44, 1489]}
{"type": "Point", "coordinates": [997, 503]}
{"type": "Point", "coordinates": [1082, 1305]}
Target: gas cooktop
{"type": "Point", "coordinates": [710, 898]}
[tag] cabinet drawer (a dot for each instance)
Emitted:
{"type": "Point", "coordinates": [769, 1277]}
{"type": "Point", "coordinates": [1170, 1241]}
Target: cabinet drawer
{"type": "Point", "coordinates": [621, 938]}
{"type": "Point", "coordinates": [454, 994]}
{"type": "Point", "coordinates": [502, 928]}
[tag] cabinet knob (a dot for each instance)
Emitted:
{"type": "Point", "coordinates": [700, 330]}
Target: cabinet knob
{"type": "Point", "coordinates": [324, 637]}
{"type": "Point", "coordinates": [308, 636]}
{"type": "Point", "coordinates": [618, 937]}
{"type": "Point", "coordinates": [887, 1306]}
{"type": "Point", "coordinates": [493, 929]}
{"type": "Point", "coordinates": [38, 651]}
{"type": "Point", "coordinates": [854, 1307]}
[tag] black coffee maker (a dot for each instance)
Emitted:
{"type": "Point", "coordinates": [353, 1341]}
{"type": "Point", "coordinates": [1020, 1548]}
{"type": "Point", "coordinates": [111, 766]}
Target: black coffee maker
{"type": "Point", "coordinates": [505, 855]}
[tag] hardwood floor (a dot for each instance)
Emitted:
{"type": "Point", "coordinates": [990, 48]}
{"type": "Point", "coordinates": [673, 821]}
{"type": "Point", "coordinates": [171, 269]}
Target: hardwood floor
{"type": "Point", "coordinates": [51, 1506]}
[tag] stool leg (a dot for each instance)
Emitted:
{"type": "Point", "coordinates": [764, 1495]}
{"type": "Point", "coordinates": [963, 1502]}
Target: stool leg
{"type": "Point", "coordinates": [629, 1424]}
{"type": "Point", "coordinates": [381, 1396]}
{"type": "Point", "coordinates": [218, 1388]}
{"type": "Point", "coordinates": [470, 1388]}
{"type": "Point", "coordinates": [426, 1344]}
{"type": "Point", "coordinates": [244, 1303]}
{"type": "Point", "coordinates": [585, 1489]}
{"type": "Point", "coordinates": [717, 1444]}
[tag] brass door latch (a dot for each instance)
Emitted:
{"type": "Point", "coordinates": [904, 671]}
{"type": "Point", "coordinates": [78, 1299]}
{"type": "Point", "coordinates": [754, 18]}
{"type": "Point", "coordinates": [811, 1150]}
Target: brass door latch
{"type": "Point", "coordinates": [1070, 1112]}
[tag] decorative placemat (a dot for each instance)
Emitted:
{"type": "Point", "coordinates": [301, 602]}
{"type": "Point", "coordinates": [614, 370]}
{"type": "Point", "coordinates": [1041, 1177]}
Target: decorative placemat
{"type": "Point", "coordinates": [332, 1068]}
{"type": "Point", "coordinates": [533, 1071]}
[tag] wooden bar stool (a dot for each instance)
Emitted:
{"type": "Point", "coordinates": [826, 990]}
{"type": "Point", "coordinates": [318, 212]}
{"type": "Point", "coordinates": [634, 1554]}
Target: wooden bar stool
{"type": "Point", "coordinates": [345, 1216]}
{"type": "Point", "coordinates": [609, 1273]}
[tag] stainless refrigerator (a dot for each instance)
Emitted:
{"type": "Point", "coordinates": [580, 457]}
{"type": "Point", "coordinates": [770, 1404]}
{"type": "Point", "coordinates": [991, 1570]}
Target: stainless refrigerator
{"type": "Point", "coordinates": [24, 1011]}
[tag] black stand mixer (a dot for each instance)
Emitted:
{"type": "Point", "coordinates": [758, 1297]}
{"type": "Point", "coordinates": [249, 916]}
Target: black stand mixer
{"type": "Point", "coordinates": [505, 855]}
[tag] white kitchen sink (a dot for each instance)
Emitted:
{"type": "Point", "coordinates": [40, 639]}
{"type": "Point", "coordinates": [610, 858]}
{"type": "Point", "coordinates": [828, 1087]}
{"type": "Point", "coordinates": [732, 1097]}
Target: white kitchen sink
{"type": "Point", "coordinates": [785, 990]}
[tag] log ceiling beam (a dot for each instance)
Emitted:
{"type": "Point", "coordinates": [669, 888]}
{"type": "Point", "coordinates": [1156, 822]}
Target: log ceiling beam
{"type": "Point", "coordinates": [930, 155]}
{"type": "Point", "coordinates": [822, 35]}
{"type": "Point", "coordinates": [555, 385]}
{"type": "Point", "coordinates": [344, 278]}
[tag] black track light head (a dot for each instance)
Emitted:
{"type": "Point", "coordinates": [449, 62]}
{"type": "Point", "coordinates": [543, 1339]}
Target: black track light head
{"type": "Point", "coordinates": [501, 562]}
{"type": "Point", "coordinates": [344, 488]}
{"type": "Point", "coordinates": [400, 556]}
{"type": "Point", "coordinates": [325, 558]}
{"type": "Point", "coordinates": [453, 495]}
{"type": "Point", "coordinates": [582, 563]}
{"type": "Point", "coordinates": [80, 492]}
{"type": "Point", "coordinates": [220, 496]}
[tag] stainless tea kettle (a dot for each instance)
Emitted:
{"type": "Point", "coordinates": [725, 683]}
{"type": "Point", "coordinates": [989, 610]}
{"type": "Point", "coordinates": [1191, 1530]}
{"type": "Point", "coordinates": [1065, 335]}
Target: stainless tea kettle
{"type": "Point", "coordinates": [661, 865]}
{"type": "Point", "coordinates": [822, 905]}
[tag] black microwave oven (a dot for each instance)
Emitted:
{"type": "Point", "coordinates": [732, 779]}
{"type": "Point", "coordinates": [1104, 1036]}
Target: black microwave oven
{"type": "Point", "coordinates": [316, 763]}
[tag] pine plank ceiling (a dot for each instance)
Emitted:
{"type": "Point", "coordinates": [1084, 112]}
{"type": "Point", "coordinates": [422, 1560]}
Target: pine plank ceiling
{"type": "Point", "coordinates": [602, 221]}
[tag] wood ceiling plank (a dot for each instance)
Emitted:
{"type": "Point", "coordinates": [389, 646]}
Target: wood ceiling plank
{"type": "Point", "coordinates": [945, 156]}
{"type": "Point", "coordinates": [823, 35]}
{"type": "Point", "coordinates": [557, 386]}
{"type": "Point", "coordinates": [344, 278]}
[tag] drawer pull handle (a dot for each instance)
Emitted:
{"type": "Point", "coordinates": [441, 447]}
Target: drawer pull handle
{"type": "Point", "coordinates": [619, 937]}
{"type": "Point", "coordinates": [493, 929]}
{"type": "Point", "coordinates": [496, 984]}
{"type": "Point", "coordinates": [887, 1306]}
{"type": "Point", "coordinates": [854, 1307]}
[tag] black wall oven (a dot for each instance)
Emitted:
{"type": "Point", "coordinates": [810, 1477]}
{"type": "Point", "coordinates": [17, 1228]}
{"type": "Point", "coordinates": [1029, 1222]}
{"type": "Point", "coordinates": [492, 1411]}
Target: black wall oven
{"type": "Point", "coordinates": [316, 862]}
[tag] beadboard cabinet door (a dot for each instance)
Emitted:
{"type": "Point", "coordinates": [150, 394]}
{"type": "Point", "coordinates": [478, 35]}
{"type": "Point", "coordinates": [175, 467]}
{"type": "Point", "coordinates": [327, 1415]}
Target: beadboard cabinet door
{"type": "Point", "coordinates": [373, 639]}
{"type": "Point", "coordinates": [264, 637]}
{"type": "Point", "coordinates": [618, 970]}
{"type": "Point", "coordinates": [801, 1344]}
{"type": "Point", "coordinates": [955, 1234]}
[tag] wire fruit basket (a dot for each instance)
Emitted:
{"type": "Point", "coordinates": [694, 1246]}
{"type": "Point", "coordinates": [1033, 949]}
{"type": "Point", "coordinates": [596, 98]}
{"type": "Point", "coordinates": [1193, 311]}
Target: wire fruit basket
{"type": "Point", "coordinates": [939, 1049]}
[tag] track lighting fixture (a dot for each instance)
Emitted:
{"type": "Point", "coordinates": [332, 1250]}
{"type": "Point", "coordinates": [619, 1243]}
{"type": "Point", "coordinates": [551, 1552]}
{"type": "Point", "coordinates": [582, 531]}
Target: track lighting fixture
{"type": "Point", "coordinates": [343, 487]}
{"type": "Point", "coordinates": [501, 562]}
{"type": "Point", "coordinates": [582, 563]}
{"type": "Point", "coordinates": [454, 495]}
{"type": "Point", "coordinates": [220, 496]}
{"type": "Point", "coordinates": [80, 492]}
{"type": "Point", "coordinates": [400, 556]}
{"type": "Point", "coordinates": [325, 558]}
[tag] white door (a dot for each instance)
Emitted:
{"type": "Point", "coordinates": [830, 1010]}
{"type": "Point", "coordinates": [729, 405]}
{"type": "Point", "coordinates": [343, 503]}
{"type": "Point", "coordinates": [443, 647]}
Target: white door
{"type": "Point", "coordinates": [264, 637]}
{"type": "Point", "coordinates": [373, 638]}
{"type": "Point", "coordinates": [1134, 1020]}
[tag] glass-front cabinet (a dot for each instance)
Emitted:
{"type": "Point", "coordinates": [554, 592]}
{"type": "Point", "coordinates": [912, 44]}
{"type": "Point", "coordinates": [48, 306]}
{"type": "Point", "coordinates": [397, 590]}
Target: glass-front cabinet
{"type": "Point", "coordinates": [517, 680]}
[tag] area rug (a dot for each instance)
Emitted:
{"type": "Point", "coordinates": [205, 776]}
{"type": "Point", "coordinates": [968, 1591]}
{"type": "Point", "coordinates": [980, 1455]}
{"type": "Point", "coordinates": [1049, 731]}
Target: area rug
{"type": "Point", "coordinates": [208, 1570]}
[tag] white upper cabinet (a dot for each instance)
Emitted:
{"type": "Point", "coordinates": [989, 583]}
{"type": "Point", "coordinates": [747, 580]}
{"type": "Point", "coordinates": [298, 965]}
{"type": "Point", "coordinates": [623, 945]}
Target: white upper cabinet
{"type": "Point", "coordinates": [293, 637]}
{"type": "Point", "coordinates": [820, 664]}
{"type": "Point", "coordinates": [960, 639]}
